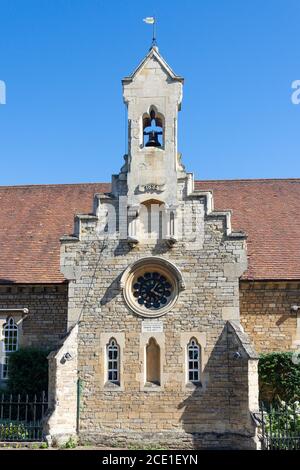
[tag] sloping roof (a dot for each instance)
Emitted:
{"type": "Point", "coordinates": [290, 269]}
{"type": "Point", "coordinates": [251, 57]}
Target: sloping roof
{"type": "Point", "coordinates": [268, 211]}
{"type": "Point", "coordinates": [33, 218]}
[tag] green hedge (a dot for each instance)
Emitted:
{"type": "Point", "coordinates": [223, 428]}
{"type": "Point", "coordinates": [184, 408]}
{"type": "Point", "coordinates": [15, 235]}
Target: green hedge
{"type": "Point", "coordinates": [28, 371]}
{"type": "Point", "coordinates": [279, 378]}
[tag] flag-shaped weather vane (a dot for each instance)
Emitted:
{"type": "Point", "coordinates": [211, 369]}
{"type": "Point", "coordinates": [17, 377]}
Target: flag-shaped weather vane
{"type": "Point", "coordinates": [152, 20]}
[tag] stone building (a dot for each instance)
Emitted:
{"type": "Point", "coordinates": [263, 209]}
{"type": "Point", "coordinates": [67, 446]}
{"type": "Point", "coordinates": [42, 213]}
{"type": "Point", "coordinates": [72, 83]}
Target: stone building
{"type": "Point", "coordinates": [158, 295]}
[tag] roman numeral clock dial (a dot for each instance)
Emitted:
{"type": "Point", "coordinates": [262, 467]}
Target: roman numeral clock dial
{"type": "Point", "coordinates": [151, 286]}
{"type": "Point", "coordinates": [152, 290]}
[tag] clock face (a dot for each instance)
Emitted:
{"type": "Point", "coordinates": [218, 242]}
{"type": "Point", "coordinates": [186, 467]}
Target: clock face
{"type": "Point", "coordinates": [152, 290]}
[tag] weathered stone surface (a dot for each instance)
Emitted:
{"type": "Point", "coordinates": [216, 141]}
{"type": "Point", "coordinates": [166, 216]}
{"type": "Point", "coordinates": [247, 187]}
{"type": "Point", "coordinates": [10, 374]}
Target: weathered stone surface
{"type": "Point", "coordinates": [61, 421]}
{"type": "Point", "coordinates": [47, 306]}
{"type": "Point", "coordinates": [202, 413]}
{"type": "Point", "coordinates": [267, 317]}
{"type": "Point", "coordinates": [210, 259]}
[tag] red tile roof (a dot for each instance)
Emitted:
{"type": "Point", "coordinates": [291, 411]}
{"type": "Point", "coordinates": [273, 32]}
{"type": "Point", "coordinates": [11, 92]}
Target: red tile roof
{"type": "Point", "coordinates": [33, 218]}
{"type": "Point", "coordinates": [269, 212]}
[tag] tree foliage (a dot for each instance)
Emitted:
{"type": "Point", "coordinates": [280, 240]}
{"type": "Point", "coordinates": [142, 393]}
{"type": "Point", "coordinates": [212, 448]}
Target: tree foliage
{"type": "Point", "coordinates": [279, 378]}
{"type": "Point", "coordinates": [28, 371]}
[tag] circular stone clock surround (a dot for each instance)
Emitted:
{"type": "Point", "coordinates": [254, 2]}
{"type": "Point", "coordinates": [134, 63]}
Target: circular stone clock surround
{"type": "Point", "coordinates": [151, 275]}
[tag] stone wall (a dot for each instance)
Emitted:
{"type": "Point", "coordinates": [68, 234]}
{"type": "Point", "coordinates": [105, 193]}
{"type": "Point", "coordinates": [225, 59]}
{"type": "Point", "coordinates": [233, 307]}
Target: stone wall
{"type": "Point", "coordinates": [266, 314]}
{"type": "Point", "coordinates": [61, 421]}
{"type": "Point", "coordinates": [243, 387]}
{"type": "Point", "coordinates": [46, 321]}
{"type": "Point", "coordinates": [211, 297]}
{"type": "Point", "coordinates": [216, 415]}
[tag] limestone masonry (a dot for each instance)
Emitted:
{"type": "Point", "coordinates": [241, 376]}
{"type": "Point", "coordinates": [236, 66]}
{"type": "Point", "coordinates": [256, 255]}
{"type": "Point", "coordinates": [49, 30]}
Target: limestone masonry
{"type": "Point", "coordinates": [154, 326]}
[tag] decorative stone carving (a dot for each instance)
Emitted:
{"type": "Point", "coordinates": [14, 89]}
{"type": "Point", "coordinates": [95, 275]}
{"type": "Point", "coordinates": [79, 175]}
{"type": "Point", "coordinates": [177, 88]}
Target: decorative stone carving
{"type": "Point", "coordinates": [151, 188]}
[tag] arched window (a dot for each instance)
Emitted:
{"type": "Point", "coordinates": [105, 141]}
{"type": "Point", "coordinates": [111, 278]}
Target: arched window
{"type": "Point", "coordinates": [113, 361]}
{"type": "Point", "coordinates": [153, 362]}
{"type": "Point", "coordinates": [194, 361]}
{"type": "Point", "coordinates": [10, 343]}
{"type": "Point", "coordinates": [10, 334]}
{"type": "Point", "coordinates": [153, 132]}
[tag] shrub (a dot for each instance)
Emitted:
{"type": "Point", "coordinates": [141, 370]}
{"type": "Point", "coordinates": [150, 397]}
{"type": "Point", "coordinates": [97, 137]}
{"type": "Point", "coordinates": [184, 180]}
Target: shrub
{"type": "Point", "coordinates": [13, 430]}
{"type": "Point", "coordinates": [44, 445]}
{"type": "Point", "coordinates": [28, 371]}
{"type": "Point", "coordinates": [282, 426]}
{"type": "Point", "coordinates": [70, 444]}
{"type": "Point", "coordinates": [284, 418]}
{"type": "Point", "coordinates": [279, 378]}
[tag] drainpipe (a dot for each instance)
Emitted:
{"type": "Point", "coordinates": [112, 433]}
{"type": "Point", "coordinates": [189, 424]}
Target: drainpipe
{"type": "Point", "coordinates": [79, 391]}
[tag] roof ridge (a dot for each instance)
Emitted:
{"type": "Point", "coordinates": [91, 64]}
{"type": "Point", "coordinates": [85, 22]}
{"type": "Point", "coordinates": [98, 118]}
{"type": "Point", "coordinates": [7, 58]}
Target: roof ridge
{"type": "Point", "coordinates": [51, 185]}
{"type": "Point", "coordinates": [251, 180]}
{"type": "Point", "coordinates": [242, 180]}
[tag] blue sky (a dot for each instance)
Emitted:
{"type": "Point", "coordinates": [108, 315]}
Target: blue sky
{"type": "Point", "coordinates": [63, 61]}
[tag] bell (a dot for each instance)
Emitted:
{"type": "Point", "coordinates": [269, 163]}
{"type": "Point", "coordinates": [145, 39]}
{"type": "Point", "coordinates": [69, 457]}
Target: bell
{"type": "Point", "coordinates": [153, 139]}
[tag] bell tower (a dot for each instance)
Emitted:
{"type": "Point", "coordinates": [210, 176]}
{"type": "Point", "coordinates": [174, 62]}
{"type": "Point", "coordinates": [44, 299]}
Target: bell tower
{"type": "Point", "coordinates": [153, 95]}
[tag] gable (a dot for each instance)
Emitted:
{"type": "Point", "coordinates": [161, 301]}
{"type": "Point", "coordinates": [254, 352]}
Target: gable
{"type": "Point", "coordinates": [153, 60]}
{"type": "Point", "coordinates": [33, 218]}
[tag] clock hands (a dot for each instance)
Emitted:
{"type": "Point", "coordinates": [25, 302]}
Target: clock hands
{"type": "Point", "coordinates": [152, 290]}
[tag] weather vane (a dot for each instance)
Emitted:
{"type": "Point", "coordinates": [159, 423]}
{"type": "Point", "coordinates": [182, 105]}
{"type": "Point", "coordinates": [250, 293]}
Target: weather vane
{"type": "Point", "coordinates": [152, 20]}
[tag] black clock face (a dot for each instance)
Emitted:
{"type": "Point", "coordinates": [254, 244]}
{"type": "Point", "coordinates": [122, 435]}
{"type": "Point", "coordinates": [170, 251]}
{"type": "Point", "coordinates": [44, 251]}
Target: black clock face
{"type": "Point", "coordinates": [152, 290]}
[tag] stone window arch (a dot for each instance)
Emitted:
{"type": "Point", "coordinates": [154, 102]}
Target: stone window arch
{"type": "Point", "coordinates": [153, 128]}
{"type": "Point", "coordinates": [113, 362]}
{"type": "Point", "coordinates": [153, 362]}
{"type": "Point", "coordinates": [10, 343]}
{"type": "Point", "coordinates": [193, 361]}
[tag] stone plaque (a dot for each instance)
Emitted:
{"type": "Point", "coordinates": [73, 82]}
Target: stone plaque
{"type": "Point", "coordinates": [151, 187]}
{"type": "Point", "coordinates": [152, 326]}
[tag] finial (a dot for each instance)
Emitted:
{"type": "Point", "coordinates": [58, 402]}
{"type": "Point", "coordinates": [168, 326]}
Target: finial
{"type": "Point", "coordinates": [152, 20]}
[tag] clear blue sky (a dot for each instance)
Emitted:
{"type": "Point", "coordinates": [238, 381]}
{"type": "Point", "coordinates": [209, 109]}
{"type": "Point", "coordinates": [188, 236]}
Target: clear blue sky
{"type": "Point", "coordinates": [63, 60]}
